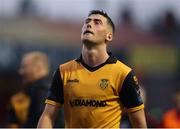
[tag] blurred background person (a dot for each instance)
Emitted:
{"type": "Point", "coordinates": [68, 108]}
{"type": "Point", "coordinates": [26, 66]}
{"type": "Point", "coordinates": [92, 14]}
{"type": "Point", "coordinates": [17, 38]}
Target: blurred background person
{"type": "Point", "coordinates": [27, 105]}
{"type": "Point", "coordinates": [171, 118]}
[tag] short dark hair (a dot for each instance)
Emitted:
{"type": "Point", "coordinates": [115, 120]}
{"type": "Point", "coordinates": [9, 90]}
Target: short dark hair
{"type": "Point", "coordinates": [103, 13]}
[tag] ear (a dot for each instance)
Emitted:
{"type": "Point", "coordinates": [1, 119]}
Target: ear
{"type": "Point", "coordinates": [109, 36]}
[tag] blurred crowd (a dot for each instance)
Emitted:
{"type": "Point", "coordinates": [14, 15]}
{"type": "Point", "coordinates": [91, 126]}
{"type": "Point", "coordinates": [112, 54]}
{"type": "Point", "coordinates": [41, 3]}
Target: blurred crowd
{"type": "Point", "coordinates": [27, 65]}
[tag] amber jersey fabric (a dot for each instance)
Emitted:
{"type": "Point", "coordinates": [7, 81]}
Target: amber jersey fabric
{"type": "Point", "coordinates": [94, 97]}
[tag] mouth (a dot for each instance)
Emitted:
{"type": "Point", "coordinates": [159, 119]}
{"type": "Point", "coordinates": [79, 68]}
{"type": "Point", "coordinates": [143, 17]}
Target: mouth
{"type": "Point", "coordinates": [87, 31]}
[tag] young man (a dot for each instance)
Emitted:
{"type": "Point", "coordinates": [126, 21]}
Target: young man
{"type": "Point", "coordinates": [95, 88]}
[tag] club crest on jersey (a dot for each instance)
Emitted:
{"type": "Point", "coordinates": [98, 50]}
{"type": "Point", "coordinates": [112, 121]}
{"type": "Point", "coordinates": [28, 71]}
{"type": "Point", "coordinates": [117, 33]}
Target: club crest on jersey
{"type": "Point", "coordinates": [104, 83]}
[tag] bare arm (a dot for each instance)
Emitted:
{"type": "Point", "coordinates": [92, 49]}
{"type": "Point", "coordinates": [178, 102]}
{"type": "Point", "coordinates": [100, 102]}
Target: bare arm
{"type": "Point", "coordinates": [138, 119]}
{"type": "Point", "coordinates": [48, 117]}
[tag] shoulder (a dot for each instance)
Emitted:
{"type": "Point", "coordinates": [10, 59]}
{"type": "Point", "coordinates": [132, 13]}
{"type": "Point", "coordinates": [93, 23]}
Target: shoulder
{"type": "Point", "coordinates": [122, 68]}
{"type": "Point", "coordinates": [68, 63]}
{"type": "Point", "coordinates": [68, 66]}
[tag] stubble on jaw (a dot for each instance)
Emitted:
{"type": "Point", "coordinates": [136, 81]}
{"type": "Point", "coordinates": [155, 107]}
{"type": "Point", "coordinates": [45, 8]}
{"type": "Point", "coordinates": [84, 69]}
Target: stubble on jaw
{"type": "Point", "coordinates": [88, 43]}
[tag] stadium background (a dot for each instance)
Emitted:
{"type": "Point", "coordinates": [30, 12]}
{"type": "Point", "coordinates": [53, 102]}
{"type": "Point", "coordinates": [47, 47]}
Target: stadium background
{"type": "Point", "coordinates": [147, 39]}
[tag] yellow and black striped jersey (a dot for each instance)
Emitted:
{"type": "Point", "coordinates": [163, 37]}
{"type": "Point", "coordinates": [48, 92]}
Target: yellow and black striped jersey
{"type": "Point", "coordinates": [94, 97]}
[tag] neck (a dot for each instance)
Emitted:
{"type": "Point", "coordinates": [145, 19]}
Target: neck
{"type": "Point", "coordinates": [35, 78]}
{"type": "Point", "coordinates": [94, 55]}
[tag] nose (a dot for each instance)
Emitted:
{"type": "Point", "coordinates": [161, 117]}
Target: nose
{"type": "Point", "coordinates": [89, 24]}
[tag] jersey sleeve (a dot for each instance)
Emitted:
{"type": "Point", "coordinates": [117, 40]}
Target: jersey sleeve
{"type": "Point", "coordinates": [130, 94]}
{"type": "Point", "coordinates": [55, 94]}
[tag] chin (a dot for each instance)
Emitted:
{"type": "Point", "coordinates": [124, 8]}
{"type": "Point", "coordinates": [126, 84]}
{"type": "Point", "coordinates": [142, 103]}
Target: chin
{"type": "Point", "coordinates": [86, 40]}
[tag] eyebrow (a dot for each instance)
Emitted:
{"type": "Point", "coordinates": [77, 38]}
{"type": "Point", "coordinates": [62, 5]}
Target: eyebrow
{"type": "Point", "coordinates": [95, 19]}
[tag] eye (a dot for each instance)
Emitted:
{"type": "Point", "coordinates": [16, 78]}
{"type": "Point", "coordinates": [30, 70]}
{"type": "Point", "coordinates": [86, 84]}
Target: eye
{"type": "Point", "coordinates": [97, 22]}
{"type": "Point", "coordinates": [87, 21]}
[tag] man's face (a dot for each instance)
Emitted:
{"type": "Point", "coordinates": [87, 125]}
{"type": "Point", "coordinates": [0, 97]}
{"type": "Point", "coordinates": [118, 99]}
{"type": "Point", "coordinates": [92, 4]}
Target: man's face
{"type": "Point", "coordinates": [28, 69]}
{"type": "Point", "coordinates": [95, 29]}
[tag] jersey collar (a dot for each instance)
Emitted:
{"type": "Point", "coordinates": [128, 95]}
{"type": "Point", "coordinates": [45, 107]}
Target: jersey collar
{"type": "Point", "coordinates": [110, 60]}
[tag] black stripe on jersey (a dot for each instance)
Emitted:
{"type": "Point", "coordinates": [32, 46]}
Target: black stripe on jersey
{"type": "Point", "coordinates": [55, 92]}
{"type": "Point", "coordinates": [130, 92]}
{"type": "Point", "coordinates": [110, 60]}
